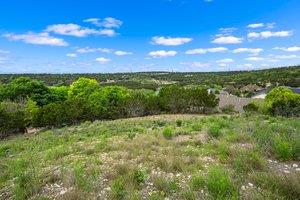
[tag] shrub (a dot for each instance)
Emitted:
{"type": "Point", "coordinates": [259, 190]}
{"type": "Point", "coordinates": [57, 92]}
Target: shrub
{"type": "Point", "coordinates": [220, 185]}
{"type": "Point", "coordinates": [214, 131]}
{"type": "Point", "coordinates": [108, 101]}
{"type": "Point", "coordinates": [251, 107]}
{"type": "Point", "coordinates": [197, 182]}
{"type": "Point", "coordinates": [118, 188]}
{"type": "Point", "coordinates": [282, 101]}
{"type": "Point", "coordinates": [248, 161]}
{"type": "Point", "coordinates": [12, 118]}
{"type": "Point", "coordinates": [139, 176]}
{"type": "Point", "coordinates": [228, 109]}
{"type": "Point", "coordinates": [82, 88]}
{"type": "Point", "coordinates": [282, 148]}
{"type": "Point", "coordinates": [168, 132]}
{"type": "Point", "coordinates": [179, 122]}
{"type": "Point", "coordinates": [172, 99]}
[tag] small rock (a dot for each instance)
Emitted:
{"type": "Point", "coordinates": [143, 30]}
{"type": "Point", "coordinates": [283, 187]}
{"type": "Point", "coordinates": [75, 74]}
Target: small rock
{"type": "Point", "coordinates": [243, 187]}
{"type": "Point", "coordinates": [250, 184]}
{"type": "Point", "coordinates": [298, 169]}
{"type": "Point", "coordinates": [286, 171]}
{"type": "Point", "coordinates": [295, 165]}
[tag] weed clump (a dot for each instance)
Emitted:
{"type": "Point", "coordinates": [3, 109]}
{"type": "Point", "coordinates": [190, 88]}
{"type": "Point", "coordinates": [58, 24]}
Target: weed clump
{"type": "Point", "coordinates": [220, 185]}
{"type": "Point", "coordinates": [214, 131]}
{"type": "Point", "coordinates": [248, 161]}
{"type": "Point", "coordinates": [168, 132]}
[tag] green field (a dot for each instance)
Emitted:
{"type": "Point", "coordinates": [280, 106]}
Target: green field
{"type": "Point", "coordinates": [156, 157]}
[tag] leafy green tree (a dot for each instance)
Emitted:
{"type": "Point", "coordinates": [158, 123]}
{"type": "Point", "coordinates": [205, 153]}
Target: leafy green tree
{"type": "Point", "coordinates": [107, 101]}
{"type": "Point", "coordinates": [82, 88]}
{"type": "Point", "coordinates": [24, 87]}
{"type": "Point", "coordinates": [172, 99]}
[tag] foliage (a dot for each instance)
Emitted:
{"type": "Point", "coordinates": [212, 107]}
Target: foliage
{"type": "Point", "coordinates": [220, 185]}
{"type": "Point", "coordinates": [12, 118]}
{"type": "Point", "coordinates": [82, 88]}
{"type": "Point", "coordinates": [228, 109]}
{"type": "Point", "coordinates": [168, 132]}
{"type": "Point", "coordinates": [214, 130]}
{"type": "Point", "coordinates": [282, 101]}
{"type": "Point", "coordinates": [251, 107]}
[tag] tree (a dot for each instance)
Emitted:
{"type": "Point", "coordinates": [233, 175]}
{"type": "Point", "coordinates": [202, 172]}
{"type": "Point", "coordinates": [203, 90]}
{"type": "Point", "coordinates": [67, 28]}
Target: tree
{"type": "Point", "coordinates": [283, 101]}
{"type": "Point", "coordinates": [24, 87]}
{"type": "Point", "coordinates": [172, 99]}
{"type": "Point", "coordinates": [82, 88]}
{"type": "Point", "coordinates": [107, 101]}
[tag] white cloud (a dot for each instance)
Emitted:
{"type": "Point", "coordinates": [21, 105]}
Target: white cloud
{"type": "Point", "coordinates": [227, 40]}
{"type": "Point", "coordinates": [122, 53]}
{"type": "Point", "coordinates": [226, 60]}
{"type": "Point", "coordinates": [93, 50]}
{"type": "Point", "coordinates": [77, 30]}
{"type": "Point", "coordinates": [255, 59]}
{"type": "Point", "coordinates": [108, 22]}
{"type": "Point", "coordinates": [107, 32]}
{"type": "Point", "coordinates": [248, 50]}
{"type": "Point", "coordinates": [37, 38]}
{"type": "Point", "coordinates": [169, 41]}
{"type": "Point", "coordinates": [204, 51]}
{"type": "Point", "coordinates": [4, 52]}
{"type": "Point", "coordinates": [71, 55]}
{"type": "Point", "coordinates": [258, 25]}
{"type": "Point", "coordinates": [196, 64]}
{"type": "Point", "coordinates": [268, 34]}
{"type": "Point", "coordinates": [286, 56]}
{"type": "Point", "coordinates": [103, 60]}
{"type": "Point", "coordinates": [288, 49]}
{"type": "Point", "coordinates": [71, 30]}
{"type": "Point", "coordinates": [162, 53]}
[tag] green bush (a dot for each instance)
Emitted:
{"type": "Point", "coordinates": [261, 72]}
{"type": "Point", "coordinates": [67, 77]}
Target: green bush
{"type": "Point", "coordinates": [118, 188]}
{"type": "Point", "coordinates": [214, 130]}
{"type": "Point", "coordinates": [12, 118]}
{"type": "Point", "coordinates": [220, 185]}
{"type": "Point", "coordinates": [228, 109]}
{"type": "Point", "coordinates": [282, 148]}
{"type": "Point", "coordinates": [251, 107]}
{"type": "Point", "coordinates": [168, 132]}
{"type": "Point", "coordinates": [248, 161]}
{"type": "Point", "coordinates": [197, 182]}
{"type": "Point", "coordinates": [282, 101]}
{"type": "Point", "coordinates": [179, 122]}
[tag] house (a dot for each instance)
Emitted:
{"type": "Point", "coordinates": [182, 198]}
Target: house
{"type": "Point", "coordinates": [250, 88]}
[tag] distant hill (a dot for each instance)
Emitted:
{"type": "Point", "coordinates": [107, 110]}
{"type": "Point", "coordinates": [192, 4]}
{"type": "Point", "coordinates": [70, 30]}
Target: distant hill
{"type": "Point", "coordinates": [289, 76]}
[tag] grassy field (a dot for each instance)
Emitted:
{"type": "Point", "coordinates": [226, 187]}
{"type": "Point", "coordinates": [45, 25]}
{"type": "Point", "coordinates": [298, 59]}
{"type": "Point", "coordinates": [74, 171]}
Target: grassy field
{"type": "Point", "coordinates": [158, 157]}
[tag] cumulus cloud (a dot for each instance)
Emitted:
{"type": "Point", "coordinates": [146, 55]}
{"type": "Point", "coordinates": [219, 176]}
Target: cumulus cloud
{"type": "Point", "coordinates": [77, 30]}
{"type": "Point", "coordinates": [227, 40]}
{"type": "Point", "coordinates": [122, 53]}
{"type": "Point", "coordinates": [71, 55]}
{"type": "Point", "coordinates": [37, 38]}
{"type": "Point", "coordinates": [226, 60]}
{"type": "Point", "coordinates": [196, 64]}
{"type": "Point", "coordinates": [268, 34]}
{"type": "Point", "coordinates": [204, 51]}
{"type": "Point", "coordinates": [108, 22]}
{"type": "Point", "coordinates": [169, 41]}
{"type": "Point", "coordinates": [286, 56]}
{"type": "Point", "coordinates": [255, 59]}
{"type": "Point", "coordinates": [288, 49]}
{"type": "Point", "coordinates": [248, 50]}
{"type": "Point", "coordinates": [257, 25]}
{"type": "Point", "coordinates": [93, 50]}
{"type": "Point", "coordinates": [162, 53]}
{"type": "Point", "coordinates": [103, 60]}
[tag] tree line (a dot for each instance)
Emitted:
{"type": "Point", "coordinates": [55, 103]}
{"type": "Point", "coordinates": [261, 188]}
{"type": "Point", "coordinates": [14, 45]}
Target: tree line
{"type": "Point", "coordinates": [27, 102]}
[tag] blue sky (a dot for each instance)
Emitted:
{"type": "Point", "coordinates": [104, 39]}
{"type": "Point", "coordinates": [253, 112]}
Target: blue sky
{"type": "Point", "coordinates": [84, 36]}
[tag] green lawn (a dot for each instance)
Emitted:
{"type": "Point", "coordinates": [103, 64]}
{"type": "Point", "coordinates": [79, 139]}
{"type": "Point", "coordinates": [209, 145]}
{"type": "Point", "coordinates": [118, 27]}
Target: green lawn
{"type": "Point", "coordinates": [156, 157]}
